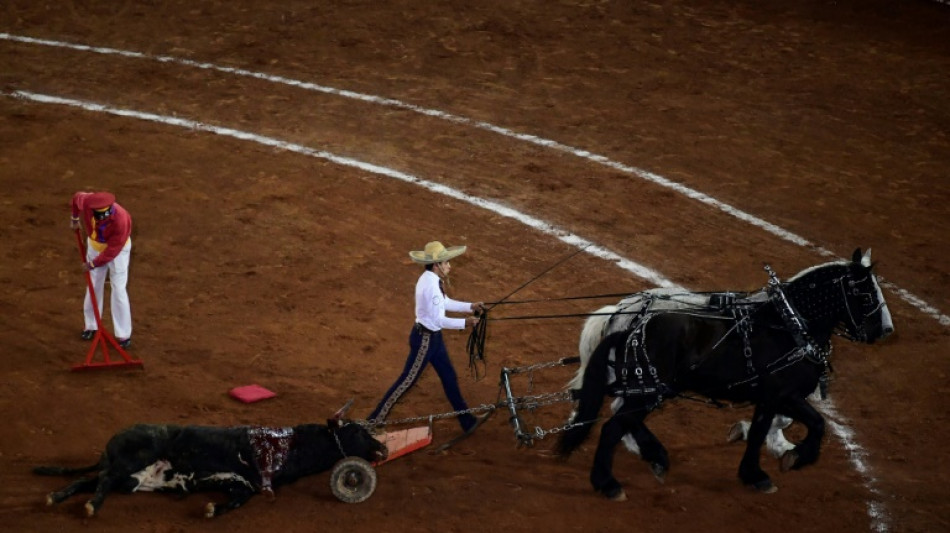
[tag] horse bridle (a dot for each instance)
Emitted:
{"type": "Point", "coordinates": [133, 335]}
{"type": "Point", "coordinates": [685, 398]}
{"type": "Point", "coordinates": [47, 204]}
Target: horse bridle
{"type": "Point", "coordinates": [857, 331]}
{"type": "Point", "coordinates": [849, 287]}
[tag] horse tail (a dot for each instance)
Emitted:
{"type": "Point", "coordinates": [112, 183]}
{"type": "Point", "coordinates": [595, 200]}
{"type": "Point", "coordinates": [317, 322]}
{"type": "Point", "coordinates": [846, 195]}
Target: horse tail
{"type": "Point", "coordinates": [63, 471]}
{"type": "Point", "coordinates": [590, 398]}
{"type": "Point", "coordinates": [594, 331]}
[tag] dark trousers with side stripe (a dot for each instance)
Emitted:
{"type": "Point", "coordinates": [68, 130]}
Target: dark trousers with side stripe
{"type": "Point", "coordinates": [424, 348]}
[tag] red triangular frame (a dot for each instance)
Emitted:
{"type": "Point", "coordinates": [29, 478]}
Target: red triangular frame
{"type": "Point", "coordinates": [103, 338]}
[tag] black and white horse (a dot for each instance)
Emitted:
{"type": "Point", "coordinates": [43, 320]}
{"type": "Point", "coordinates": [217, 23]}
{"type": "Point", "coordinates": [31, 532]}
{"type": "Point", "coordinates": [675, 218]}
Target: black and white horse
{"type": "Point", "coordinates": [770, 353]}
{"type": "Point", "coordinates": [622, 316]}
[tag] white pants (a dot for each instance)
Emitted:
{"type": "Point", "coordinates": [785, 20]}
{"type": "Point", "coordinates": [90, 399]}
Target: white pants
{"type": "Point", "coordinates": [118, 270]}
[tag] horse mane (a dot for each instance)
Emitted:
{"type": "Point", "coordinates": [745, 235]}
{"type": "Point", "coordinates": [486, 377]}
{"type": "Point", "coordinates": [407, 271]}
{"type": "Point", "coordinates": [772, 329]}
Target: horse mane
{"type": "Point", "coordinates": [815, 268]}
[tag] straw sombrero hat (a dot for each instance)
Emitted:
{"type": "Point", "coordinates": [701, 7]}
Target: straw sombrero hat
{"type": "Point", "coordinates": [436, 253]}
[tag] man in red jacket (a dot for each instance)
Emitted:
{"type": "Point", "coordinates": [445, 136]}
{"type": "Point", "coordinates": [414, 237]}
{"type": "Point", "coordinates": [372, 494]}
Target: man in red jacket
{"type": "Point", "coordinates": [109, 245]}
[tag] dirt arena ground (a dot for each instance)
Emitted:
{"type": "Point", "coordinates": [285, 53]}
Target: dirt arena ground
{"type": "Point", "coordinates": [259, 264]}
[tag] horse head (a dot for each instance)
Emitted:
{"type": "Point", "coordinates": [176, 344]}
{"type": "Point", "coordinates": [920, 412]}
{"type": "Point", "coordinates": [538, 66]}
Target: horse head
{"type": "Point", "coordinates": [870, 319]}
{"type": "Point", "coordinates": [843, 295]}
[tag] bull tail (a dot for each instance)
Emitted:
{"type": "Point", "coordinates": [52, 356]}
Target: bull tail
{"type": "Point", "coordinates": [590, 398]}
{"type": "Point", "coordinates": [64, 471]}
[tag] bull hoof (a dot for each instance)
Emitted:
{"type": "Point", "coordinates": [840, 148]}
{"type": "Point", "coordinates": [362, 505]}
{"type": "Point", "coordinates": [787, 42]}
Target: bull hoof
{"type": "Point", "coordinates": [764, 487]}
{"type": "Point", "coordinates": [90, 509]}
{"type": "Point", "coordinates": [659, 472]}
{"type": "Point", "coordinates": [788, 460]}
{"type": "Point", "coordinates": [209, 510]}
{"type": "Point", "coordinates": [737, 432]}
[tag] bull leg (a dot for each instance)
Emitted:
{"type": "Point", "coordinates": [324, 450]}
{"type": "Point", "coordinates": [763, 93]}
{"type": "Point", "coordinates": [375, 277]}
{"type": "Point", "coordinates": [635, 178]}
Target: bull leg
{"type": "Point", "coordinates": [750, 469]}
{"type": "Point", "coordinates": [238, 495]}
{"type": "Point", "coordinates": [82, 485]}
{"type": "Point", "coordinates": [106, 480]}
{"type": "Point", "coordinates": [601, 474]}
{"type": "Point", "coordinates": [238, 490]}
{"type": "Point", "coordinates": [806, 452]}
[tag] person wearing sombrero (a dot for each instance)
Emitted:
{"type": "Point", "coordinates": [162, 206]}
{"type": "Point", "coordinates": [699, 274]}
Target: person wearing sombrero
{"type": "Point", "coordinates": [108, 229]}
{"type": "Point", "coordinates": [425, 338]}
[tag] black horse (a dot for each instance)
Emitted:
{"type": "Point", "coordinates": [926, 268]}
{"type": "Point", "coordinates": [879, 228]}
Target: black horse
{"type": "Point", "coordinates": [771, 354]}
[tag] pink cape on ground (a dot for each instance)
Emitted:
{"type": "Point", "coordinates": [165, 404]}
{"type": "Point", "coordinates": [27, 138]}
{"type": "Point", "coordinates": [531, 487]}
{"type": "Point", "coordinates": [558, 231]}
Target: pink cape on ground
{"type": "Point", "coordinates": [251, 393]}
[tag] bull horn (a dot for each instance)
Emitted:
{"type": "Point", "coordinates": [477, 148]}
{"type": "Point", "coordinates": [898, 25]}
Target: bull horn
{"type": "Point", "coordinates": [342, 411]}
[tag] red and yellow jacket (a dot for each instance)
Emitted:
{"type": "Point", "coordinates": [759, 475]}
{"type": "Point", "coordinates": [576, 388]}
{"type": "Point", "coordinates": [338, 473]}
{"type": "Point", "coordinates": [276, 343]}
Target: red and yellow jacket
{"type": "Point", "coordinates": [107, 236]}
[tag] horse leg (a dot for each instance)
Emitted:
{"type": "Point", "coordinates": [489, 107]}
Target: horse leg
{"type": "Point", "coordinates": [651, 450]}
{"type": "Point", "coordinates": [750, 469]}
{"type": "Point", "coordinates": [775, 441]}
{"type": "Point", "coordinates": [629, 440]}
{"type": "Point", "coordinates": [806, 452]}
{"type": "Point", "coordinates": [601, 474]}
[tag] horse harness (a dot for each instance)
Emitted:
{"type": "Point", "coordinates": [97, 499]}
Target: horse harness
{"type": "Point", "coordinates": [644, 381]}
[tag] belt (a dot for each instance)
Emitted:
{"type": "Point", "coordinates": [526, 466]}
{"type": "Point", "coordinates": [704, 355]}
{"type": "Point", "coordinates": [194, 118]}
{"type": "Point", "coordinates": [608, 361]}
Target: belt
{"type": "Point", "coordinates": [422, 329]}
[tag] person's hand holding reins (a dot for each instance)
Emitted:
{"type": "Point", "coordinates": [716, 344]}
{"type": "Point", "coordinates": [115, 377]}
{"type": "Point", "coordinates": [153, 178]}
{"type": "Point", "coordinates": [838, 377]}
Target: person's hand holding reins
{"type": "Point", "coordinates": [472, 320]}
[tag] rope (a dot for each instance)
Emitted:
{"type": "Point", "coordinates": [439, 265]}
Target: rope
{"type": "Point", "coordinates": [574, 315]}
{"type": "Point", "coordinates": [476, 347]}
{"type": "Point", "coordinates": [476, 339]}
{"type": "Point", "coordinates": [566, 298]}
{"type": "Point", "coordinates": [545, 271]}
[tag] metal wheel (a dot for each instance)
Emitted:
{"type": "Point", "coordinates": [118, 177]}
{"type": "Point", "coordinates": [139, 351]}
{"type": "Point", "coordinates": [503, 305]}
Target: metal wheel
{"type": "Point", "coordinates": [353, 480]}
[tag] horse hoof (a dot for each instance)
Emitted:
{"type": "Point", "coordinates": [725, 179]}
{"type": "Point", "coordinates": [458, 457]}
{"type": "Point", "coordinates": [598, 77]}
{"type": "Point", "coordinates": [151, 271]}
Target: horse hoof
{"type": "Point", "coordinates": [209, 510]}
{"type": "Point", "coordinates": [90, 510]}
{"type": "Point", "coordinates": [659, 472]}
{"type": "Point", "coordinates": [736, 433]}
{"type": "Point", "coordinates": [620, 496]}
{"type": "Point", "coordinates": [49, 500]}
{"type": "Point", "coordinates": [782, 422]}
{"type": "Point", "coordinates": [764, 487]}
{"type": "Point", "coordinates": [788, 460]}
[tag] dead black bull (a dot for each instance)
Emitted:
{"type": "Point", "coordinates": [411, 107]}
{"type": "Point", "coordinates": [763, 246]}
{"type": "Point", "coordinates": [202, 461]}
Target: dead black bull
{"type": "Point", "coordinates": [238, 461]}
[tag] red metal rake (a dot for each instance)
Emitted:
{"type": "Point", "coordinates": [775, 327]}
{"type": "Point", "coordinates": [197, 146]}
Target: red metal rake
{"type": "Point", "coordinates": [103, 338]}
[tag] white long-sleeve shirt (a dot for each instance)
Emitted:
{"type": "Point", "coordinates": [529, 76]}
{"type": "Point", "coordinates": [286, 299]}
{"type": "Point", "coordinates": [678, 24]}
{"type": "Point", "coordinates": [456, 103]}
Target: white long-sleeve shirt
{"type": "Point", "coordinates": [431, 305]}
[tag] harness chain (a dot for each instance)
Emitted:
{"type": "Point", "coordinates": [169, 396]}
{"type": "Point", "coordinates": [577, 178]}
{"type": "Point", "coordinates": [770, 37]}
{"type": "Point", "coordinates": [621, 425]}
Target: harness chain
{"type": "Point", "coordinates": [636, 344]}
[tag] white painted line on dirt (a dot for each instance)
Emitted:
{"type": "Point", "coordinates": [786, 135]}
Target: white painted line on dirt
{"type": "Point", "coordinates": [875, 508]}
{"type": "Point", "coordinates": [490, 205]}
{"type": "Point", "coordinates": [910, 298]}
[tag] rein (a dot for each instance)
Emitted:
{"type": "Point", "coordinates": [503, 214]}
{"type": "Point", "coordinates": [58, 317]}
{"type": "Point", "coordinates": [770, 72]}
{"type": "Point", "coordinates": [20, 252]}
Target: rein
{"type": "Point", "coordinates": [563, 299]}
{"type": "Point", "coordinates": [476, 340]}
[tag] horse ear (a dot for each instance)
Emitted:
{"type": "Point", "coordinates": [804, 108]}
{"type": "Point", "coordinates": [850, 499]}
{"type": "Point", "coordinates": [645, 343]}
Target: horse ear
{"type": "Point", "coordinates": [856, 256]}
{"type": "Point", "coordinates": [866, 260]}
